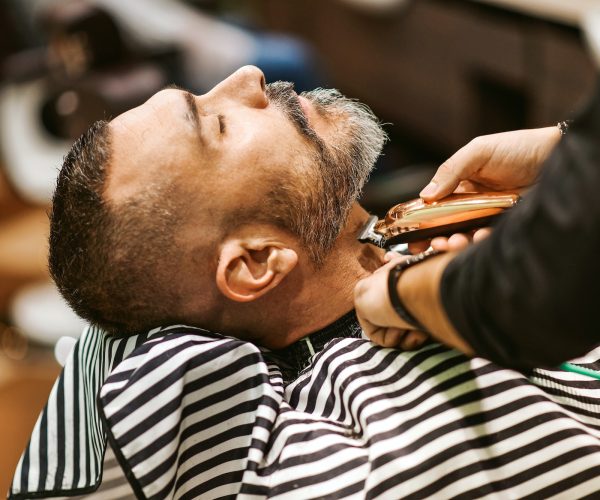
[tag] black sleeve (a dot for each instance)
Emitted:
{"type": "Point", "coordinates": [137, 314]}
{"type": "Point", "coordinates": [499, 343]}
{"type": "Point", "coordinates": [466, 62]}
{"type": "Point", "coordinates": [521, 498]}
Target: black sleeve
{"type": "Point", "coordinates": [530, 294]}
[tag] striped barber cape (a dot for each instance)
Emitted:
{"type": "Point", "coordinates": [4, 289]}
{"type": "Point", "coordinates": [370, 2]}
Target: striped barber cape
{"type": "Point", "coordinates": [191, 414]}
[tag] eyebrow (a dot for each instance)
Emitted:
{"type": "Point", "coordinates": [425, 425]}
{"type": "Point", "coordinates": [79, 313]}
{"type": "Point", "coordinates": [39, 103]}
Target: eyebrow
{"type": "Point", "coordinates": [192, 111]}
{"type": "Point", "coordinates": [192, 114]}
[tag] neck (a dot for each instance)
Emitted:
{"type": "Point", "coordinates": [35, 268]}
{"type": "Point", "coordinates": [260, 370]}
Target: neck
{"type": "Point", "coordinates": [310, 299]}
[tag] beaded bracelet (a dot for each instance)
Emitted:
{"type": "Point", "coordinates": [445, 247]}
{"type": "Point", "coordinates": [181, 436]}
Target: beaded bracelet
{"type": "Point", "coordinates": [394, 276]}
{"type": "Point", "coordinates": [564, 126]}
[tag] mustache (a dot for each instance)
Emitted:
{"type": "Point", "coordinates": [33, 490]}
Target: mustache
{"type": "Point", "coordinates": [317, 210]}
{"type": "Point", "coordinates": [282, 95]}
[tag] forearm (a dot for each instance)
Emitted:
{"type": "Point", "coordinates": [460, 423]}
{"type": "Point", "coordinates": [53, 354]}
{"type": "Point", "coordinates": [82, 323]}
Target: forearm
{"type": "Point", "coordinates": [528, 295]}
{"type": "Point", "coordinates": [419, 289]}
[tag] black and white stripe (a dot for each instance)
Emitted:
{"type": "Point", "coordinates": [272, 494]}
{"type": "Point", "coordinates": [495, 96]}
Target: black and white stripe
{"type": "Point", "coordinates": [195, 415]}
{"type": "Point", "coordinates": [114, 485]}
{"type": "Point", "coordinates": [67, 445]}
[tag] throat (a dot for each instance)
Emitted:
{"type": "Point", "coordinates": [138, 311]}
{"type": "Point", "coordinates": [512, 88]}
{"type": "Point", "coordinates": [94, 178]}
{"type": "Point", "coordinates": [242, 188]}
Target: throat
{"type": "Point", "coordinates": [318, 299]}
{"type": "Point", "coordinates": [297, 356]}
{"type": "Point", "coordinates": [309, 298]}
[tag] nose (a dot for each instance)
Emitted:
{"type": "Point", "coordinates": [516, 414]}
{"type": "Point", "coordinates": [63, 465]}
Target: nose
{"type": "Point", "coordinates": [246, 85]}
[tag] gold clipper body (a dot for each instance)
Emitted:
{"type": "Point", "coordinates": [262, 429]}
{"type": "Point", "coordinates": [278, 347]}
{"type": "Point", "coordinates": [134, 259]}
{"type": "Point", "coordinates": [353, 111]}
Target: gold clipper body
{"type": "Point", "coordinates": [417, 220]}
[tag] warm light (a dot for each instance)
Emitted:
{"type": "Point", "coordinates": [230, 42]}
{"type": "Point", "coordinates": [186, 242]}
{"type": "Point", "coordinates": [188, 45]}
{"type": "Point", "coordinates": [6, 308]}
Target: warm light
{"type": "Point", "coordinates": [62, 349]}
{"type": "Point", "coordinates": [13, 343]}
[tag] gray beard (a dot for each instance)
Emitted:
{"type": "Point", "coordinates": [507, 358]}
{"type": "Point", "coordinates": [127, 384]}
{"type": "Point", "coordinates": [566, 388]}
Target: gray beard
{"type": "Point", "coordinates": [342, 165]}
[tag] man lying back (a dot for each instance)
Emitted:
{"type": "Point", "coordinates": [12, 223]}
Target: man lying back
{"type": "Point", "coordinates": [235, 211]}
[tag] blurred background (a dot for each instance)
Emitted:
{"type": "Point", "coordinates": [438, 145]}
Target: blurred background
{"type": "Point", "coordinates": [439, 72]}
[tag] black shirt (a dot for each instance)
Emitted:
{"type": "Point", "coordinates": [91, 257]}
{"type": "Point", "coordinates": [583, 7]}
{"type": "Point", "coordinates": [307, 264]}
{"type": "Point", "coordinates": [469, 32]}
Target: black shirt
{"type": "Point", "coordinates": [529, 295]}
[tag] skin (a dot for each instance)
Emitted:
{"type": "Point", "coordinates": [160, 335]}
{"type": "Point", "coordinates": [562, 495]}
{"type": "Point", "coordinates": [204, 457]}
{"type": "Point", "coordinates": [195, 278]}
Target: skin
{"type": "Point", "coordinates": [160, 134]}
{"type": "Point", "coordinates": [510, 160]}
{"type": "Point", "coordinates": [258, 282]}
{"type": "Point", "coordinates": [504, 161]}
{"type": "Point", "coordinates": [418, 288]}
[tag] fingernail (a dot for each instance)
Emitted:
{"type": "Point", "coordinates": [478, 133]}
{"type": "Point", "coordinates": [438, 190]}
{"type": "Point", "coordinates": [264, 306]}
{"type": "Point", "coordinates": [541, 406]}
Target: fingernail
{"type": "Point", "coordinates": [429, 190]}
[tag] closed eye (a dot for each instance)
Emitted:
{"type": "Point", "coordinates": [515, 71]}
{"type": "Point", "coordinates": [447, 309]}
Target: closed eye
{"type": "Point", "coordinates": [221, 124]}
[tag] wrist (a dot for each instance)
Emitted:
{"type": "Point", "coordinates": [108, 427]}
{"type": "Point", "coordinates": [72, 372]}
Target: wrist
{"type": "Point", "coordinates": [418, 285]}
{"type": "Point", "coordinates": [419, 290]}
{"type": "Point", "coordinates": [563, 126]}
{"type": "Point", "coordinates": [394, 275]}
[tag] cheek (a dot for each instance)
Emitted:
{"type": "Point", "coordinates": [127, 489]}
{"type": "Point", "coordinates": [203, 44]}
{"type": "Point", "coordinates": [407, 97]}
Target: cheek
{"type": "Point", "coordinates": [264, 148]}
{"type": "Point", "coordinates": [269, 150]}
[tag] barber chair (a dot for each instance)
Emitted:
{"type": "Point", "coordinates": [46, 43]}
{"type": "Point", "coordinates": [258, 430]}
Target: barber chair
{"type": "Point", "coordinates": [87, 71]}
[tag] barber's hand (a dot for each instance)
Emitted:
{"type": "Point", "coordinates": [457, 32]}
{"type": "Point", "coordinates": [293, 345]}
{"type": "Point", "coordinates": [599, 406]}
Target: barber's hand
{"type": "Point", "coordinates": [504, 161]}
{"type": "Point", "coordinates": [454, 243]}
{"type": "Point", "coordinates": [376, 315]}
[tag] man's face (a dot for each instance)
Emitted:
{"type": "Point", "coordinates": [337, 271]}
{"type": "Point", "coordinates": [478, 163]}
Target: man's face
{"type": "Point", "coordinates": [236, 146]}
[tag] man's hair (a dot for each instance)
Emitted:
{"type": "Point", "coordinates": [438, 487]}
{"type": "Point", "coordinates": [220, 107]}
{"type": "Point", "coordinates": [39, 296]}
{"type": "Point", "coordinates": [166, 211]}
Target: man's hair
{"type": "Point", "coordinates": [110, 261]}
{"type": "Point", "coordinates": [121, 265]}
{"type": "Point", "coordinates": [116, 264]}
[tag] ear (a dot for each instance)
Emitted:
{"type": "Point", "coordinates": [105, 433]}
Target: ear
{"type": "Point", "coordinates": [249, 268]}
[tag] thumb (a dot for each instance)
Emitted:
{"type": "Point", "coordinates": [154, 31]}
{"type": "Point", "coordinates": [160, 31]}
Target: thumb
{"type": "Point", "coordinates": [460, 166]}
{"type": "Point", "coordinates": [444, 182]}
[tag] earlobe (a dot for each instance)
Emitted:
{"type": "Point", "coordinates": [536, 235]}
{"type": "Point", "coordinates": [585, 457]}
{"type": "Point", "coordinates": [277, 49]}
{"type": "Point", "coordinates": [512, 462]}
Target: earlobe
{"type": "Point", "coordinates": [248, 270]}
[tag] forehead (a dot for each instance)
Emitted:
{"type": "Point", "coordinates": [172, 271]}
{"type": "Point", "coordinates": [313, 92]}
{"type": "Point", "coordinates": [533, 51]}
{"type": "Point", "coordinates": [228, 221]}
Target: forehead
{"type": "Point", "coordinates": [158, 142]}
{"type": "Point", "coordinates": [161, 106]}
{"type": "Point", "coordinates": [164, 114]}
{"type": "Point", "coordinates": [148, 139]}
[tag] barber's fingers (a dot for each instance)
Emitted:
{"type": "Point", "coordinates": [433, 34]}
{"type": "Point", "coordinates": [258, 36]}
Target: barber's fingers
{"type": "Point", "coordinates": [457, 241]}
{"type": "Point", "coordinates": [481, 234]}
{"type": "Point", "coordinates": [372, 302]}
{"type": "Point", "coordinates": [459, 167]}
{"type": "Point", "coordinates": [406, 340]}
{"type": "Point", "coordinates": [439, 243]}
{"type": "Point", "coordinates": [413, 339]}
{"type": "Point", "coordinates": [469, 186]}
{"type": "Point", "coordinates": [454, 243]}
{"type": "Point", "coordinates": [460, 241]}
{"type": "Point", "coordinates": [377, 317]}
{"type": "Point", "coordinates": [392, 258]}
{"type": "Point", "coordinates": [418, 246]}
{"type": "Point", "coordinates": [387, 336]}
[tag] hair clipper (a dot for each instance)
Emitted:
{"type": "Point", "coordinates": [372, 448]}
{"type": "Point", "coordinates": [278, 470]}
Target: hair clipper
{"type": "Point", "coordinates": [418, 220]}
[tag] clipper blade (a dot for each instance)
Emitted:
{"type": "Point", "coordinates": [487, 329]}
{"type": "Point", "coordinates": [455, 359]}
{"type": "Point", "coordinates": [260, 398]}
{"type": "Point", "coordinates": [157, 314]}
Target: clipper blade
{"type": "Point", "coordinates": [368, 235]}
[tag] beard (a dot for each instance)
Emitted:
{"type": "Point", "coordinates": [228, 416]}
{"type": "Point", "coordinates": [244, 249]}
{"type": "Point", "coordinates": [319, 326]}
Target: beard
{"type": "Point", "coordinates": [315, 204]}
